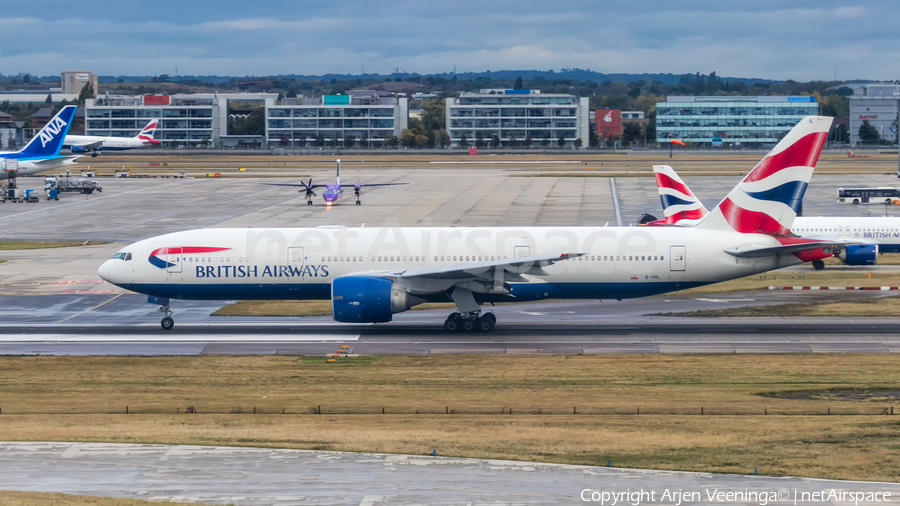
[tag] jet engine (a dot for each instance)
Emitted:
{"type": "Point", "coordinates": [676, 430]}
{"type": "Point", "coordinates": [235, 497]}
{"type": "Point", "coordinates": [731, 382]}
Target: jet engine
{"type": "Point", "coordinates": [368, 299]}
{"type": "Point", "coordinates": [860, 254]}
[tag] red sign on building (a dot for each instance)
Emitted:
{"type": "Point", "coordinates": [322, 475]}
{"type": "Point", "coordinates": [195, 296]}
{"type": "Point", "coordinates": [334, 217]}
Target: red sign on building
{"type": "Point", "coordinates": [156, 100]}
{"type": "Point", "coordinates": [609, 122]}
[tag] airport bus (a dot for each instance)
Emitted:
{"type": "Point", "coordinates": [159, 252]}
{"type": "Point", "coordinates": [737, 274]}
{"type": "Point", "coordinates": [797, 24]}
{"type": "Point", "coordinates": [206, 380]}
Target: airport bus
{"type": "Point", "coordinates": [885, 195]}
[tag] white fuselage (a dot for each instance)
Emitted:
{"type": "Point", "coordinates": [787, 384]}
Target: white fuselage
{"type": "Point", "coordinates": [881, 230]}
{"type": "Point", "coordinates": [109, 143]}
{"type": "Point", "coordinates": [301, 263]}
{"type": "Point", "coordinates": [34, 166]}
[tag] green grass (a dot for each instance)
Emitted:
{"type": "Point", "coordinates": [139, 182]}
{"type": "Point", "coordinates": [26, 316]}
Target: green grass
{"type": "Point", "coordinates": [765, 411]}
{"type": "Point", "coordinates": [16, 245]}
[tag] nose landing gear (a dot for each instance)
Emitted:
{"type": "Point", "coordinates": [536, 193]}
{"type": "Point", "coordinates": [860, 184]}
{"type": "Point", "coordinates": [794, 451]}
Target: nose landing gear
{"type": "Point", "coordinates": [475, 321]}
{"type": "Point", "coordinates": [167, 322]}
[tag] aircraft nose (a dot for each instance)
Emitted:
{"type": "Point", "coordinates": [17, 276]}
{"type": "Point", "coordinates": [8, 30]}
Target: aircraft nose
{"type": "Point", "coordinates": [103, 271]}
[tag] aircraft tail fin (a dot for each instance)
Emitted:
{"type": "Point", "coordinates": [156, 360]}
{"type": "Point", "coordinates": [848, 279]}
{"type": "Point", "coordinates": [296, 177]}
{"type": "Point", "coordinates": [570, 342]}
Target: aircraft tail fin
{"type": "Point", "coordinates": [680, 205]}
{"type": "Point", "coordinates": [49, 140]}
{"type": "Point", "coordinates": [339, 171]}
{"type": "Point", "coordinates": [767, 200]}
{"type": "Point", "coordinates": [149, 132]}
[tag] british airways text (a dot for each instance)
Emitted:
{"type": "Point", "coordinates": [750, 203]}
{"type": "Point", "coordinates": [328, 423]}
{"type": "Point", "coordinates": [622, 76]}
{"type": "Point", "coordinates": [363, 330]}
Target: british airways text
{"type": "Point", "coordinates": [268, 271]}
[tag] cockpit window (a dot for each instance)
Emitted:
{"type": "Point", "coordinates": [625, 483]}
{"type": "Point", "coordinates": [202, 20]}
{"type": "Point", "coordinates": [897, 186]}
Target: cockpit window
{"type": "Point", "coordinates": [127, 256]}
{"type": "Point", "coordinates": [122, 256]}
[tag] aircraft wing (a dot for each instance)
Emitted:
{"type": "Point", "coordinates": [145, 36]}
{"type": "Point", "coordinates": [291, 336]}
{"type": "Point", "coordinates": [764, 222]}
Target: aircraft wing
{"type": "Point", "coordinates": [369, 184]}
{"type": "Point", "coordinates": [55, 159]}
{"type": "Point", "coordinates": [785, 249]}
{"type": "Point", "coordinates": [485, 269]}
{"type": "Point", "coordinates": [93, 145]}
{"type": "Point", "coordinates": [296, 184]}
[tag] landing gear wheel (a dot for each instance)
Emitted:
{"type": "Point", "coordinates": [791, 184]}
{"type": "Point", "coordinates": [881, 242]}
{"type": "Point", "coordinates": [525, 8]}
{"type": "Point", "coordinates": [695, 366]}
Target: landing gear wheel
{"type": "Point", "coordinates": [468, 325]}
{"type": "Point", "coordinates": [485, 323]}
{"type": "Point", "coordinates": [451, 325]}
{"type": "Point", "coordinates": [818, 265]}
{"type": "Point", "coordinates": [167, 323]}
{"type": "Point", "coordinates": [309, 202]}
{"type": "Point", "coordinates": [358, 203]}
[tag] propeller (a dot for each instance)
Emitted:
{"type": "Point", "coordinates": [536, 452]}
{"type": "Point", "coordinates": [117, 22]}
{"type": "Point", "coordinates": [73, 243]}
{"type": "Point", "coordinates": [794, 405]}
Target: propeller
{"type": "Point", "coordinates": [309, 189]}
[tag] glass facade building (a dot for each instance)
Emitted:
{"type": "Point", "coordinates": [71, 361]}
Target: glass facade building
{"type": "Point", "coordinates": [368, 118]}
{"type": "Point", "coordinates": [731, 119]}
{"type": "Point", "coordinates": [512, 115]}
{"type": "Point", "coordinates": [186, 121]}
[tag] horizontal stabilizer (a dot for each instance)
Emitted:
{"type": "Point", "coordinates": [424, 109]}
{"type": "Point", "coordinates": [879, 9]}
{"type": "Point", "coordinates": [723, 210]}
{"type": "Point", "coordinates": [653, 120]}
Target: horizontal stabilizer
{"type": "Point", "coordinates": [785, 249]}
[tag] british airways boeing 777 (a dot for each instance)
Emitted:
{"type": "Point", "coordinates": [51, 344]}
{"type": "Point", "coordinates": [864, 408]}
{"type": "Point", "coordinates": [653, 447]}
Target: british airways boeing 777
{"type": "Point", "coordinates": [369, 274]}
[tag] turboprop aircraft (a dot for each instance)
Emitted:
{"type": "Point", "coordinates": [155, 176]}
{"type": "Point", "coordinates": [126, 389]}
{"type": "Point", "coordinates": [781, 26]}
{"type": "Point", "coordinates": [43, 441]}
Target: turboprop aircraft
{"type": "Point", "coordinates": [371, 273]}
{"type": "Point", "coordinates": [866, 236]}
{"type": "Point", "coordinates": [332, 192]}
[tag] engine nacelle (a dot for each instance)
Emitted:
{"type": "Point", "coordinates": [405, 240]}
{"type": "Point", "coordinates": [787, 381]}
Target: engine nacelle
{"type": "Point", "coordinates": [860, 254]}
{"type": "Point", "coordinates": [368, 299]}
{"type": "Point", "coordinates": [78, 149]}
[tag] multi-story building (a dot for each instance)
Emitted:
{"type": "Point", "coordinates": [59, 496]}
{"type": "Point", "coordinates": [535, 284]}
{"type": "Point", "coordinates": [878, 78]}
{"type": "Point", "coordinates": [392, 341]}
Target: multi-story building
{"type": "Point", "coordinates": [512, 115]}
{"type": "Point", "coordinates": [877, 104]}
{"type": "Point", "coordinates": [731, 119]}
{"type": "Point", "coordinates": [189, 120]}
{"type": "Point", "coordinates": [361, 116]}
{"type": "Point", "coordinates": [74, 80]}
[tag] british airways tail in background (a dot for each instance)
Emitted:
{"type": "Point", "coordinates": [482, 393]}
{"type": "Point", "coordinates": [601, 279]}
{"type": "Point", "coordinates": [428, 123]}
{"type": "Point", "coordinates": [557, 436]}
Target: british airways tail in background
{"type": "Point", "coordinates": [866, 236]}
{"type": "Point", "coordinates": [42, 152]}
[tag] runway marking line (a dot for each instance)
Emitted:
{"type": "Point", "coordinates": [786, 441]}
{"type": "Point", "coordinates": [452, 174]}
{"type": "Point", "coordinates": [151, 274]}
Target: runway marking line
{"type": "Point", "coordinates": [94, 199]}
{"type": "Point", "coordinates": [91, 309]}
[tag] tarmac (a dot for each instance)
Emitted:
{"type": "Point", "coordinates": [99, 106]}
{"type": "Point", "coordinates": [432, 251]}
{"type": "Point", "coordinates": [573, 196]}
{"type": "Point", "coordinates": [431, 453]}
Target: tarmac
{"type": "Point", "coordinates": [54, 301]}
{"type": "Point", "coordinates": [264, 476]}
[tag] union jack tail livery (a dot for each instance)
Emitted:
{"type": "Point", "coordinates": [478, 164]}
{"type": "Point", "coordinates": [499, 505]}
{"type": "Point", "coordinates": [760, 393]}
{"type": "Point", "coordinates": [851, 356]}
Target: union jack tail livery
{"type": "Point", "coordinates": [767, 200]}
{"type": "Point", "coordinates": [679, 203]}
{"type": "Point", "coordinates": [149, 132]}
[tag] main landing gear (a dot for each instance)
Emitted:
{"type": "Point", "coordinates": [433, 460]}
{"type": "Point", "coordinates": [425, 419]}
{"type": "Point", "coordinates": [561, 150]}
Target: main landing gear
{"type": "Point", "coordinates": [475, 321]}
{"type": "Point", "coordinates": [167, 322]}
{"type": "Point", "coordinates": [818, 265]}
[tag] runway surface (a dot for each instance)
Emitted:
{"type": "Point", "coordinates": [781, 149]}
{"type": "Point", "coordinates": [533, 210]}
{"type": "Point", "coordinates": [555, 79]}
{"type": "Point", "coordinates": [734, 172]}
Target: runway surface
{"type": "Point", "coordinates": [94, 324]}
{"type": "Point", "coordinates": [257, 476]}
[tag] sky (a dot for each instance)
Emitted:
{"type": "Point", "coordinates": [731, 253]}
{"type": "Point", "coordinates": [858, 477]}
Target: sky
{"type": "Point", "coordinates": [810, 40]}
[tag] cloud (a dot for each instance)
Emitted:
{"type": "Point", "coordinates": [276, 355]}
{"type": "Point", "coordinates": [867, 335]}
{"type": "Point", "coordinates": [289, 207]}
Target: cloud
{"type": "Point", "coordinates": [763, 38]}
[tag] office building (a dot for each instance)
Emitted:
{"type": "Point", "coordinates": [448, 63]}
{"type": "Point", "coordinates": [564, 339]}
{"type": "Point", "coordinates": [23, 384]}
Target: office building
{"type": "Point", "coordinates": [734, 120]}
{"type": "Point", "coordinates": [362, 118]}
{"type": "Point", "coordinates": [513, 115]}
{"type": "Point", "coordinates": [877, 104]}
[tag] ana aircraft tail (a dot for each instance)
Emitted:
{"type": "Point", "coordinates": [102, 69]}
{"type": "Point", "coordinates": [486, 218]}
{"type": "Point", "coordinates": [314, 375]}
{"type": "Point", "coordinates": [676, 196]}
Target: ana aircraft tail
{"type": "Point", "coordinates": [149, 132]}
{"type": "Point", "coordinates": [49, 140]}
{"type": "Point", "coordinates": [767, 200]}
{"type": "Point", "coordinates": [679, 203]}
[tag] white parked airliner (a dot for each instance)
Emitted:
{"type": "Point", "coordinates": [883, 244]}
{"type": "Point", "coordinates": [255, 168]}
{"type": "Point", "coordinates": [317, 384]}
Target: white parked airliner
{"type": "Point", "coordinates": [371, 273]}
{"type": "Point", "coordinates": [867, 236]}
{"type": "Point", "coordinates": [92, 144]}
